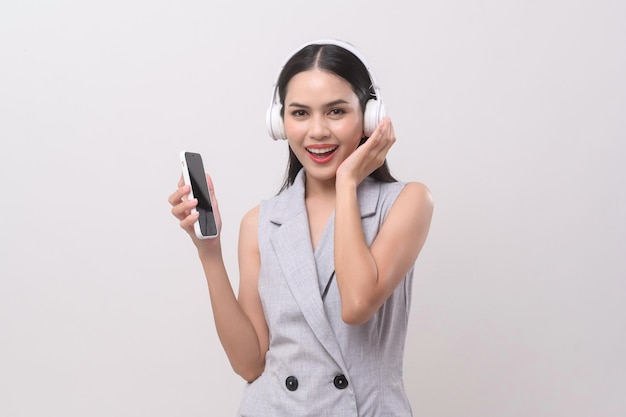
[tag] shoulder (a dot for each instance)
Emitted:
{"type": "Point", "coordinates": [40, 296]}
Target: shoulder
{"type": "Point", "coordinates": [414, 200]}
{"type": "Point", "coordinates": [413, 187]}
{"type": "Point", "coordinates": [417, 192]}
{"type": "Point", "coordinates": [251, 215]}
{"type": "Point", "coordinates": [408, 220]}
{"type": "Point", "coordinates": [404, 194]}
{"type": "Point", "coordinates": [249, 223]}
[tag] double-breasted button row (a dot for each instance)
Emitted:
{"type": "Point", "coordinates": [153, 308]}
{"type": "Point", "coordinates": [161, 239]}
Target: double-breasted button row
{"type": "Point", "coordinates": [340, 382]}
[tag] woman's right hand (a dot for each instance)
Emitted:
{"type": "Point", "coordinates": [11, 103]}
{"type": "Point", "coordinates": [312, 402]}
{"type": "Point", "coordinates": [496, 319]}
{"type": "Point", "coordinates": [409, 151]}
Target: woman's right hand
{"type": "Point", "coordinates": [181, 209]}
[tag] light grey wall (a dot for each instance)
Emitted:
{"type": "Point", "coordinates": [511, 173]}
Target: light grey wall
{"type": "Point", "coordinates": [513, 113]}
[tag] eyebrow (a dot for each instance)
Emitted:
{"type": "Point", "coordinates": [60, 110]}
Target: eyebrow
{"type": "Point", "coordinates": [331, 104]}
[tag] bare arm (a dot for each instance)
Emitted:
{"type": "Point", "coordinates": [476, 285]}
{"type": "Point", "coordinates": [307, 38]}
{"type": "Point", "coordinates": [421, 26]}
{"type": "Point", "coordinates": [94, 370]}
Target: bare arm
{"type": "Point", "coordinates": [240, 324]}
{"type": "Point", "coordinates": [367, 276]}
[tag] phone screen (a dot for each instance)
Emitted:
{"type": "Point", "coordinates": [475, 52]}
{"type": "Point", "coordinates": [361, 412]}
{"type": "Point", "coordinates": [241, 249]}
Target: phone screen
{"type": "Point", "coordinates": [200, 190]}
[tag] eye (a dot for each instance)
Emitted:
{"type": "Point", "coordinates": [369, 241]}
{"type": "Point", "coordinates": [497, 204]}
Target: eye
{"type": "Point", "coordinates": [298, 113]}
{"type": "Point", "coordinates": [336, 112]}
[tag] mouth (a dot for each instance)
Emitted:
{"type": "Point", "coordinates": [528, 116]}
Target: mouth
{"type": "Point", "coordinates": [321, 154]}
{"type": "Point", "coordinates": [321, 150]}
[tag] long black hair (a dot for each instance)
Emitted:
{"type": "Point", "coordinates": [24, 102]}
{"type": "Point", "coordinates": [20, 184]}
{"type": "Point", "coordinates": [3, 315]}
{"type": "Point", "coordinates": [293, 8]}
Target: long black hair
{"type": "Point", "coordinates": [343, 63]}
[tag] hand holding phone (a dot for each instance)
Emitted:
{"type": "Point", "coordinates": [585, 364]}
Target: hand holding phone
{"type": "Point", "coordinates": [194, 175]}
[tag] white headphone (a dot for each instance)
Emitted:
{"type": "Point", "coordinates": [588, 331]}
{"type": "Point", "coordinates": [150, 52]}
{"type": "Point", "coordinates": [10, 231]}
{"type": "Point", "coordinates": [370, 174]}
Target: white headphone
{"type": "Point", "coordinates": [375, 109]}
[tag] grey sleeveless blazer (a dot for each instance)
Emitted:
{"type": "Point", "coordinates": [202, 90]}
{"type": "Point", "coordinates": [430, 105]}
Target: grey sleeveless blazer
{"type": "Point", "coordinates": [317, 365]}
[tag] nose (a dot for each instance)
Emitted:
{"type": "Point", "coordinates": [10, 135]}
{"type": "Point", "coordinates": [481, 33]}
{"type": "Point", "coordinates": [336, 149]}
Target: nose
{"type": "Point", "coordinates": [318, 127]}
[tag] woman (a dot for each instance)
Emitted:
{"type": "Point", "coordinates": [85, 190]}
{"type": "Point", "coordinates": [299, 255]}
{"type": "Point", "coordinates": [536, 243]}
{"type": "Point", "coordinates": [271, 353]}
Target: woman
{"type": "Point", "coordinates": [326, 266]}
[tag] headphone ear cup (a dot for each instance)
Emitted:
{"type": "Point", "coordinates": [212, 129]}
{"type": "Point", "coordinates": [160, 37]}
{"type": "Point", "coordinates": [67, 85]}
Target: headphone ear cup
{"type": "Point", "coordinates": [274, 123]}
{"type": "Point", "coordinates": [375, 112]}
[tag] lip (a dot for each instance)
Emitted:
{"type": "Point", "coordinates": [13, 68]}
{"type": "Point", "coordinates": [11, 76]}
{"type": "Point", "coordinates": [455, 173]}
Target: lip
{"type": "Point", "coordinates": [321, 153]}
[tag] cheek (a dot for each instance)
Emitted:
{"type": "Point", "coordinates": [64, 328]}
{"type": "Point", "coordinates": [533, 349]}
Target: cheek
{"type": "Point", "coordinates": [356, 125]}
{"type": "Point", "coordinates": [293, 129]}
{"type": "Point", "coordinates": [353, 131]}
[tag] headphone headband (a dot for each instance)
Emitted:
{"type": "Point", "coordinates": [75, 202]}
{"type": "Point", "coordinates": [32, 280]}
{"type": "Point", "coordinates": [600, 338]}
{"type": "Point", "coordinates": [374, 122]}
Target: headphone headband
{"type": "Point", "coordinates": [374, 112]}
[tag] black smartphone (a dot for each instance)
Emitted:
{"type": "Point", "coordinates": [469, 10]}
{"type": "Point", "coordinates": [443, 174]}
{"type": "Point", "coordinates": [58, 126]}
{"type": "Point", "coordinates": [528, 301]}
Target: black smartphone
{"type": "Point", "coordinates": [193, 174]}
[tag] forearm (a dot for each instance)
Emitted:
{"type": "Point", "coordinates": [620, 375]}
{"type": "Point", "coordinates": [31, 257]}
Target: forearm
{"type": "Point", "coordinates": [355, 267]}
{"type": "Point", "coordinates": [234, 328]}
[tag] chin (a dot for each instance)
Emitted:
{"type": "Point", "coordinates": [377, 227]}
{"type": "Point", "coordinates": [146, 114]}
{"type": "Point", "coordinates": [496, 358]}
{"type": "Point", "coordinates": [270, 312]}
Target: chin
{"type": "Point", "coordinates": [321, 174]}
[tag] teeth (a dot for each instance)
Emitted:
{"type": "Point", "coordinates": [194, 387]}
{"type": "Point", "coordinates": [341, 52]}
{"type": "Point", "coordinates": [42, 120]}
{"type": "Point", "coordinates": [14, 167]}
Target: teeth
{"type": "Point", "coordinates": [322, 150]}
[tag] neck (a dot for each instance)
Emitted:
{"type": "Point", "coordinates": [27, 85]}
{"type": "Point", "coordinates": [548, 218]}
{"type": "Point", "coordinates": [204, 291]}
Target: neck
{"type": "Point", "coordinates": [317, 189]}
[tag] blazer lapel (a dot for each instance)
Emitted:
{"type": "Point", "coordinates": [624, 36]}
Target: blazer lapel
{"type": "Point", "coordinates": [294, 251]}
{"type": "Point", "coordinates": [292, 244]}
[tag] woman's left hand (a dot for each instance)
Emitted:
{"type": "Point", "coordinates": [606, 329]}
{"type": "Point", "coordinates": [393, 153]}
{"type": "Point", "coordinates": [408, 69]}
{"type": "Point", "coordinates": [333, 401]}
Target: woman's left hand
{"type": "Point", "coordinates": [369, 156]}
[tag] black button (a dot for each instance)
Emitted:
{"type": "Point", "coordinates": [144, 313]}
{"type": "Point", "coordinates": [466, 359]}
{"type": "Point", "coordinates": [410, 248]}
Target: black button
{"type": "Point", "coordinates": [340, 382]}
{"type": "Point", "coordinates": [292, 383]}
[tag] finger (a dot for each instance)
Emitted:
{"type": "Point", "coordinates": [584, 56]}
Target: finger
{"type": "Point", "coordinates": [188, 221]}
{"type": "Point", "coordinates": [216, 205]}
{"type": "Point", "coordinates": [382, 142]}
{"type": "Point", "coordinates": [392, 132]}
{"type": "Point", "coordinates": [180, 194]}
{"type": "Point", "coordinates": [388, 141]}
{"type": "Point", "coordinates": [378, 131]}
{"type": "Point", "coordinates": [209, 182]}
{"type": "Point", "coordinates": [388, 136]}
{"type": "Point", "coordinates": [183, 208]}
{"type": "Point", "coordinates": [380, 137]}
{"type": "Point", "coordinates": [391, 135]}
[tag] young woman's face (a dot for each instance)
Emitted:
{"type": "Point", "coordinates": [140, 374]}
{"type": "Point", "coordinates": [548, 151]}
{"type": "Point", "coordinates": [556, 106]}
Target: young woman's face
{"type": "Point", "coordinates": [323, 121]}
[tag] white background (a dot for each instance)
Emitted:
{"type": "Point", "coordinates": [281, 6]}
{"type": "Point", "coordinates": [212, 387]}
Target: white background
{"type": "Point", "coordinates": [512, 112]}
